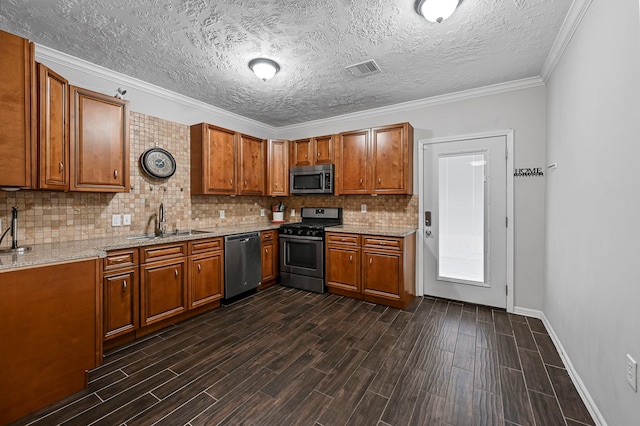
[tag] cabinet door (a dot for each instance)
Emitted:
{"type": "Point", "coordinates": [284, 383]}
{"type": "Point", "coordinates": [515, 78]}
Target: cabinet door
{"type": "Point", "coordinates": [323, 150]}
{"type": "Point", "coordinates": [163, 291]}
{"type": "Point", "coordinates": [382, 274]}
{"type": "Point", "coordinates": [53, 130]}
{"type": "Point", "coordinates": [214, 160]}
{"type": "Point", "coordinates": [269, 265]}
{"type": "Point", "coordinates": [17, 147]}
{"type": "Point", "coordinates": [206, 274]}
{"type": "Point", "coordinates": [302, 154]}
{"type": "Point", "coordinates": [99, 142]}
{"type": "Point", "coordinates": [251, 166]}
{"type": "Point", "coordinates": [120, 303]}
{"type": "Point", "coordinates": [352, 162]}
{"type": "Point", "coordinates": [277, 168]}
{"type": "Point", "coordinates": [392, 159]}
{"type": "Point", "coordinates": [343, 268]}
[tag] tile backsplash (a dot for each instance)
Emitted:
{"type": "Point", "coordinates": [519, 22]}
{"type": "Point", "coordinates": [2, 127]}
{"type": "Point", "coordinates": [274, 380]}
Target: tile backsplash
{"type": "Point", "coordinates": [50, 216]}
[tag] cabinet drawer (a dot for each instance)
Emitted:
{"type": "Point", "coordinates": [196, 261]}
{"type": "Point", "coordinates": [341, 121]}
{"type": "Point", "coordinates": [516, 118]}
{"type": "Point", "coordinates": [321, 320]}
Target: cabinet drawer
{"type": "Point", "coordinates": [205, 246]}
{"type": "Point", "coordinates": [120, 259]}
{"type": "Point", "coordinates": [387, 243]}
{"type": "Point", "coordinates": [162, 252]}
{"type": "Point", "coordinates": [268, 236]}
{"type": "Point", "coordinates": [343, 239]}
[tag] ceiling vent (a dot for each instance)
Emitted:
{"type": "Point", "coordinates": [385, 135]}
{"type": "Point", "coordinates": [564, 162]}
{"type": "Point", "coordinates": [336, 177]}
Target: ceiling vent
{"type": "Point", "coordinates": [364, 68]}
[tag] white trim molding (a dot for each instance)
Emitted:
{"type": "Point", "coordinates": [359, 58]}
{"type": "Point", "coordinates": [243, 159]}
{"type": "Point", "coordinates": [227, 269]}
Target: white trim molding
{"type": "Point", "coordinates": [508, 134]}
{"type": "Point", "coordinates": [577, 10]}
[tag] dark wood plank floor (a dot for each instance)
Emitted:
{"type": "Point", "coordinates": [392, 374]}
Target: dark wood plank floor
{"type": "Point", "coordinates": [285, 357]}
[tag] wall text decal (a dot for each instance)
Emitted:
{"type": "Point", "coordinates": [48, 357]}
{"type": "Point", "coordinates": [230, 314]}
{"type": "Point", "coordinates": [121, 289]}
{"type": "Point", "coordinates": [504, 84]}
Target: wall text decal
{"type": "Point", "coordinates": [528, 172]}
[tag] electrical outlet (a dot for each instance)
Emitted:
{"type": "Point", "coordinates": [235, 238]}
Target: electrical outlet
{"type": "Point", "coordinates": [221, 214]}
{"type": "Point", "coordinates": [115, 220]}
{"type": "Point", "coordinates": [126, 219]}
{"type": "Point", "coordinates": [632, 373]}
{"type": "Point", "coordinates": [363, 208]}
{"type": "Point", "coordinates": [293, 212]}
{"type": "Point", "coordinates": [262, 212]}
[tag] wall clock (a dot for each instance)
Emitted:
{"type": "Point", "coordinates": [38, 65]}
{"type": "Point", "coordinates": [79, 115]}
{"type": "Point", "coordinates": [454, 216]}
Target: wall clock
{"type": "Point", "coordinates": [158, 163]}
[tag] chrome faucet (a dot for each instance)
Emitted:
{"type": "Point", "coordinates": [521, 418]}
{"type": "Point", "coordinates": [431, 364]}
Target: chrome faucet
{"type": "Point", "coordinates": [161, 227]}
{"type": "Point", "coordinates": [14, 228]}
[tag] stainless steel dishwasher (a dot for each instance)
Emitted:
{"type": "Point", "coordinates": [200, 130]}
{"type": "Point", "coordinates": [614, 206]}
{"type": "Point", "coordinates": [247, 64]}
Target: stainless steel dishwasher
{"type": "Point", "coordinates": [242, 263]}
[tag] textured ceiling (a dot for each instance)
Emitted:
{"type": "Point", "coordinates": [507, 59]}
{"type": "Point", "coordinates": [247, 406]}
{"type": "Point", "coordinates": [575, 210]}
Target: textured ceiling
{"type": "Point", "coordinates": [200, 48]}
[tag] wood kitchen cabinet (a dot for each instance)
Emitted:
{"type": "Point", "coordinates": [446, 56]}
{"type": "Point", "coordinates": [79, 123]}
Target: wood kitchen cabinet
{"type": "Point", "coordinates": [53, 130]}
{"type": "Point", "coordinates": [163, 282]}
{"type": "Point", "coordinates": [270, 262]}
{"type": "Point", "coordinates": [213, 159]}
{"type": "Point", "coordinates": [120, 304]}
{"type": "Point", "coordinates": [50, 334]}
{"type": "Point", "coordinates": [312, 151]}
{"type": "Point", "coordinates": [377, 269]}
{"type": "Point", "coordinates": [342, 264]}
{"type": "Point", "coordinates": [277, 167]}
{"type": "Point", "coordinates": [18, 116]}
{"type": "Point", "coordinates": [251, 165]}
{"type": "Point", "coordinates": [99, 142]}
{"type": "Point", "coordinates": [206, 271]}
{"type": "Point", "coordinates": [375, 161]}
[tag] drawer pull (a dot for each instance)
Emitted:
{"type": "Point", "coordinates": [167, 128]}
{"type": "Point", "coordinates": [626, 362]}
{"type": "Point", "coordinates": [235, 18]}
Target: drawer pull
{"type": "Point", "coordinates": [199, 267]}
{"type": "Point", "coordinates": [118, 259]}
{"type": "Point", "coordinates": [343, 239]}
{"type": "Point", "coordinates": [124, 286]}
{"type": "Point", "coordinates": [382, 243]}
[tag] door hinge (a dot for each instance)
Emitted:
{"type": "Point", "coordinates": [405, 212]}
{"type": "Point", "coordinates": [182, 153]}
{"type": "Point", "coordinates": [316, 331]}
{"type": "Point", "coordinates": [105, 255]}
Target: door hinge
{"type": "Point", "coordinates": [506, 221]}
{"type": "Point", "coordinates": [506, 290]}
{"type": "Point", "coordinates": [506, 153]}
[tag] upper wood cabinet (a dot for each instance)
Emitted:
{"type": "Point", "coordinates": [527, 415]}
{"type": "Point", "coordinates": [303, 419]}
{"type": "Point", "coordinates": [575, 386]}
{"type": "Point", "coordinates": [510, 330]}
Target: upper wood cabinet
{"type": "Point", "coordinates": [375, 161]}
{"type": "Point", "coordinates": [251, 165]}
{"type": "Point", "coordinates": [213, 159]}
{"type": "Point", "coordinates": [277, 167]}
{"type": "Point", "coordinates": [99, 142]}
{"type": "Point", "coordinates": [53, 130]}
{"type": "Point", "coordinates": [312, 151]}
{"type": "Point", "coordinates": [17, 119]}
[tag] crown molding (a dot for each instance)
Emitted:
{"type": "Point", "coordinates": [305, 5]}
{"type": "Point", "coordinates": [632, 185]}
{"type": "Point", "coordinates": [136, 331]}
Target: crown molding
{"type": "Point", "coordinates": [49, 55]}
{"type": "Point", "coordinates": [572, 21]}
{"type": "Point", "coordinates": [493, 89]}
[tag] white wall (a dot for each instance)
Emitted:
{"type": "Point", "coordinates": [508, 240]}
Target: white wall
{"type": "Point", "coordinates": [521, 110]}
{"type": "Point", "coordinates": [592, 250]}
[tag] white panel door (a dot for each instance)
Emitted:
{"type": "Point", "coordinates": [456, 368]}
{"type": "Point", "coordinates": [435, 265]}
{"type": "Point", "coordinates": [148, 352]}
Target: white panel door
{"type": "Point", "coordinates": [465, 202]}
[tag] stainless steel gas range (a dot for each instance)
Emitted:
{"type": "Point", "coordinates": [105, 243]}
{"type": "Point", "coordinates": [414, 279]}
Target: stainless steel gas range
{"type": "Point", "coordinates": [302, 248]}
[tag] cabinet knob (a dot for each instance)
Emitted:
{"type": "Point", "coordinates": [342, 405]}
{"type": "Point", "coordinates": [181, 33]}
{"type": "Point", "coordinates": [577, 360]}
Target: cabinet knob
{"type": "Point", "coordinates": [245, 182]}
{"type": "Point", "coordinates": [379, 180]}
{"type": "Point", "coordinates": [350, 258]}
{"type": "Point", "coordinates": [318, 154]}
{"type": "Point", "coordinates": [176, 272]}
{"type": "Point", "coordinates": [230, 181]}
{"type": "Point", "coordinates": [360, 181]}
{"type": "Point", "coordinates": [306, 156]}
{"type": "Point", "coordinates": [266, 251]}
{"type": "Point", "coordinates": [343, 239]}
{"type": "Point", "coordinates": [371, 261]}
{"type": "Point", "coordinates": [124, 286]}
{"type": "Point", "coordinates": [115, 173]}
{"type": "Point", "coordinates": [276, 184]}
{"type": "Point", "coordinates": [199, 267]}
{"type": "Point", "coordinates": [61, 167]}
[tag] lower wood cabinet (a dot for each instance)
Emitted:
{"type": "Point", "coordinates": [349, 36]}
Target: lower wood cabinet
{"type": "Point", "coordinates": [269, 258]}
{"type": "Point", "coordinates": [120, 293]}
{"type": "Point", "coordinates": [206, 272]}
{"type": "Point", "coordinates": [374, 268]}
{"type": "Point", "coordinates": [163, 288]}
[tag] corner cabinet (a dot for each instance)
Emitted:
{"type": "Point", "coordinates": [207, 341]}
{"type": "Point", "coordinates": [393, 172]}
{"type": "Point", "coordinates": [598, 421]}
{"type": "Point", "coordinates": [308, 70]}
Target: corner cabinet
{"type": "Point", "coordinates": [377, 269]}
{"type": "Point", "coordinates": [375, 161]}
{"type": "Point", "coordinates": [17, 120]}
{"type": "Point", "coordinates": [99, 142]}
{"type": "Point", "coordinates": [277, 168]}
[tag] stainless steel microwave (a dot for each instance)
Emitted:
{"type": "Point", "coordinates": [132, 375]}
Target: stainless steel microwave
{"type": "Point", "coordinates": [307, 180]}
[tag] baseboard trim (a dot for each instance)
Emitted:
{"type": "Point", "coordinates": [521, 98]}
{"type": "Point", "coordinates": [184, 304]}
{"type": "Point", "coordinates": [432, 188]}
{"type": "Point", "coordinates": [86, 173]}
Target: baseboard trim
{"type": "Point", "coordinates": [575, 377]}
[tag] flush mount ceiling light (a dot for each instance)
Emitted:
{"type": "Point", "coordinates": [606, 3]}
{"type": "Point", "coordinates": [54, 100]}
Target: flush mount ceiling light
{"type": "Point", "coordinates": [436, 10]}
{"type": "Point", "coordinates": [264, 68]}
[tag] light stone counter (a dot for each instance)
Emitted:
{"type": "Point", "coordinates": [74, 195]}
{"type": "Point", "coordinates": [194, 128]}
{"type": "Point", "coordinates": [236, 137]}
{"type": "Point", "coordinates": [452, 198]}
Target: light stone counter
{"type": "Point", "coordinates": [45, 254]}
{"type": "Point", "coordinates": [373, 230]}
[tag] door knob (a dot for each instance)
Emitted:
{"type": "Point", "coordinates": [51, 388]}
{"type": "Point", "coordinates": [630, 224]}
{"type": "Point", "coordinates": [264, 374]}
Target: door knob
{"type": "Point", "coordinates": [428, 232]}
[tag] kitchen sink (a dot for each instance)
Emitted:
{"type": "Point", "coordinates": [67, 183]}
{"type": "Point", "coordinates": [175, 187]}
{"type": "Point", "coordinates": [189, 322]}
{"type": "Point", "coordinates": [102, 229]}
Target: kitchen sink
{"type": "Point", "coordinates": [167, 235]}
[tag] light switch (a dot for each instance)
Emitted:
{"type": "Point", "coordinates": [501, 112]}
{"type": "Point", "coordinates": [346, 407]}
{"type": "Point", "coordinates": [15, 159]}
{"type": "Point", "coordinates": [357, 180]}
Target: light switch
{"type": "Point", "coordinates": [115, 220]}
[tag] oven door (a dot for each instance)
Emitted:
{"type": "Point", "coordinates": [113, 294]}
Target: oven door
{"type": "Point", "coordinates": [301, 255]}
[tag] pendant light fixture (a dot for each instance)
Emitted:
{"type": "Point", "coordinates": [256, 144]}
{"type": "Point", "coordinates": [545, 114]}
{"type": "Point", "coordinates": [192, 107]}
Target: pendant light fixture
{"type": "Point", "coordinates": [436, 10]}
{"type": "Point", "coordinates": [264, 68]}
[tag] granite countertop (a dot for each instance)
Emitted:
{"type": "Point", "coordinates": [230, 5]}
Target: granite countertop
{"type": "Point", "coordinates": [43, 254]}
{"type": "Point", "coordinates": [387, 231]}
